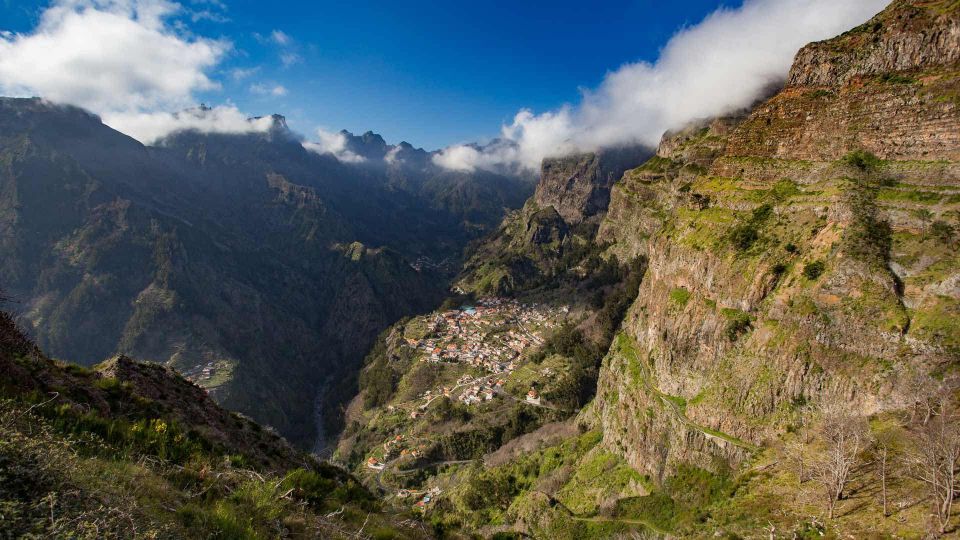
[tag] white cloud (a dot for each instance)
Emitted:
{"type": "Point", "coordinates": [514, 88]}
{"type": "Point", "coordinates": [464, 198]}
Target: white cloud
{"type": "Point", "coordinates": [717, 66]}
{"type": "Point", "coordinates": [393, 156]}
{"type": "Point", "coordinates": [275, 90]}
{"type": "Point", "coordinates": [125, 60]}
{"type": "Point", "coordinates": [281, 38]}
{"type": "Point", "coordinates": [149, 127]}
{"type": "Point", "coordinates": [289, 58]}
{"type": "Point", "coordinates": [333, 143]}
{"type": "Point", "coordinates": [238, 74]}
{"type": "Point", "coordinates": [133, 63]}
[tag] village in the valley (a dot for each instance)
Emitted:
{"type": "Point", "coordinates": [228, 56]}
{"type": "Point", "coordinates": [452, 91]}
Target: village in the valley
{"type": "Point", "coordinates": [492, 337]}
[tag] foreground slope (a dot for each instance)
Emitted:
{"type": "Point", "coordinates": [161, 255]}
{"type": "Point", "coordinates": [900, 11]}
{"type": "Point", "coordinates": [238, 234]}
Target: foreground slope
{"type": "Point", "coordinates": [130, 450]}
{"type": "Point", "coordinates": [134, 450]}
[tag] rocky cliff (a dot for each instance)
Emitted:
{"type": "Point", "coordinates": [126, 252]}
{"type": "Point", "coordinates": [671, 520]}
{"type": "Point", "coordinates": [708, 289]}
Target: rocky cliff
{"type": "Point", "coordinates": [578, 186]}
{"type": "Point", "coordinates": [554, 228]}
{"type": "Point", "coordinates": [805, 253]}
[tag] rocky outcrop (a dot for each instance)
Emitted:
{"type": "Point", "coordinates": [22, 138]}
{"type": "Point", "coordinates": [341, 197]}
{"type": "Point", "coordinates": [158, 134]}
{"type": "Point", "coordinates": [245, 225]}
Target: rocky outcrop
{"type": "Point", "coordinates": [578, 186]}
{"type": "Point", "coordinates": [907, 36]}
{"type": "Point", "coordinates": [889, 86]}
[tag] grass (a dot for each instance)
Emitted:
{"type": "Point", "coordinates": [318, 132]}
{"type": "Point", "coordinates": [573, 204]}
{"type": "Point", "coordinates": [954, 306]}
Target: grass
{"type": "Point", "coordinates": [679, 297]}
{"type": "Point", "coordinates": [682, 501]}
{"type": "Point", "coordinates": [69, 480]}
{"type": "Point", "coordinates": [938, 322]}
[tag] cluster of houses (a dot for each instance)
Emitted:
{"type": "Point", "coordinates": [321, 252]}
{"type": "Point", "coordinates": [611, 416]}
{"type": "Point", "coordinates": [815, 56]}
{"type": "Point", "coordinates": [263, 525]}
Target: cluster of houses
{"type": "Point", "coordinates": [397, 447]}
{"type": "Point", "coordinates": [491, 336]}
{"type": "Point", "coordinates": [425, 499]}
{"type": "Point", "coordinates": [200, 372]}
{"type": "Point", "coordinates": [474, 334]}
{"type": "Point", "coordinates": [477, 391]}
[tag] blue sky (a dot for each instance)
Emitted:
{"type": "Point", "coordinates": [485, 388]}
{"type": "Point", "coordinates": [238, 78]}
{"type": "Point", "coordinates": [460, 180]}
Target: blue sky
{"type": "Point", "coordinates": [550, 78]}
{"type": "Point", "coordinates": [431, 73]}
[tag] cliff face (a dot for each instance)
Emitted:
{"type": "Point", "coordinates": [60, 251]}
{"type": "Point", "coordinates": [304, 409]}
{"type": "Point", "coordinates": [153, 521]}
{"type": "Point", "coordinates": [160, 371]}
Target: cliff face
{"type": "Point", "coordinates": [571, 199]}
{"type": "Point", "coordinates": [578, 186]}
{"type": "Point", "coordinates": [804, 253]}
{"type": "Point", "coordinates": [887, 86]}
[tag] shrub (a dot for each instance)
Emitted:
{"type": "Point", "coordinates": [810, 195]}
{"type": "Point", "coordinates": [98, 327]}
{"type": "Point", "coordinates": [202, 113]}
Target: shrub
{"type": "Point", "coordinates": [941, 230]}
{"type": "Point", "coordinates": [743, 236]}
{"type": "Point", "coordinates": [738, 322]}
{"type": "Point", "coordinates": [813, 270]}
{"type": "Point", "coordinates": [863, 160]}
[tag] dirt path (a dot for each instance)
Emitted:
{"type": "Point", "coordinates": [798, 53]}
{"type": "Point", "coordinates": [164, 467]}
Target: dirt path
{"type": "Point", "coordinates": [682, 415]}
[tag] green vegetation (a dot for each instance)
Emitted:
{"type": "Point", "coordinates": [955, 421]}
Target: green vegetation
{"type": "Point", "coordinates": [862, 160]}
{"type": "Point", "coordinates": [814, 269]}
{"type": "Point", "coordinates": [744, 235]}
{"type": "Point", "coordinates": [679, 297]}
{"type": "Point", "coordinates": [939, 322]}
{"type": "Point", "coordinates": [738, 322]}
{"type": "Point", "coordinates": [656, 164]}
{"type": "Point", "coordinates": [869, 236]}
{"type": "Point", "coordinates": [683, 502]}
{"type": "Point", "coordinates": [943, 231]}
{"type": "Point", "coordinates": [897, 78]}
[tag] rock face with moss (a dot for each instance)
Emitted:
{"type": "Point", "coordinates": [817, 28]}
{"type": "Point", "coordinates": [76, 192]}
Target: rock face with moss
{"type": "Point", "coordinates": [554, 228]}
{"type": "Point", "coordinates": [806, 252]}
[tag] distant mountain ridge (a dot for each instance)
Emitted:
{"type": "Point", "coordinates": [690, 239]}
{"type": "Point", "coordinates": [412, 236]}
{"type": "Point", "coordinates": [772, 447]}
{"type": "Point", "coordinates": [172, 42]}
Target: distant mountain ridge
{"type": "Point", "coordinates": [224, 251]}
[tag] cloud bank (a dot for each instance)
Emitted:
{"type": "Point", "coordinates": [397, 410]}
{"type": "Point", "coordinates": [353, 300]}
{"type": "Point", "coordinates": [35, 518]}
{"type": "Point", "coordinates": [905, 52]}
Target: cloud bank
{"type": "Point", "coordinates": [122, 59]}
{"type": "Point", "coordinates": [152, 126]}
{"type": "Point", "coordinates": [722, 64]}
{"type": "Point", "coordinates": [333, 143]}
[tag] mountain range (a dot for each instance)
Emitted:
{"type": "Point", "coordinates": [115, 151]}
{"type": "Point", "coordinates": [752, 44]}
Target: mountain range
{"type": "Point", "coordinates": [751, 331]}
{"type": "Point", "coordinates": [270, 266]}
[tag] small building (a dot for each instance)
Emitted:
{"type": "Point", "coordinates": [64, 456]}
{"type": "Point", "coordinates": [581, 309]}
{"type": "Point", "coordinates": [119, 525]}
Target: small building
{"type": "Point", "coordinates": [374, 463]}
{"type": "Point", "coordinates": [533, 397]}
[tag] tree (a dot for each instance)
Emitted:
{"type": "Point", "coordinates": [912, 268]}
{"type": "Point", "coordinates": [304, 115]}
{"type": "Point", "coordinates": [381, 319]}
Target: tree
{"type": "Point", "coordinates": [841, 436]}
{"type": "Point", "coordinates": [935, 456]}
{"type": "Point", "coordinates": [924, 391]}
{"type": "Point", "coordinates": [887, 447]}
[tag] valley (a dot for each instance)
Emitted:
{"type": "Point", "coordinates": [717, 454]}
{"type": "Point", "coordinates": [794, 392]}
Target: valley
{"type": "Point", "coordinates": [750, 331]}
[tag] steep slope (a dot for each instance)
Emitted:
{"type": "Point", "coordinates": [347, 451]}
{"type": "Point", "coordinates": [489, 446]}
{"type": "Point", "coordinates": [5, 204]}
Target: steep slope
{"type": "Point", "coordinates": [803, 256]}
{"type": "Point", "coordinates": [556, 227]}
{"type": "Point", "coordinates": [252, 265]}
{"type": "Point", "coordinates": [129, 450]}
{"type": "Point", "coordinates": [798, 184]}
{"type": "Point", "coordinates": [797, 315]}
